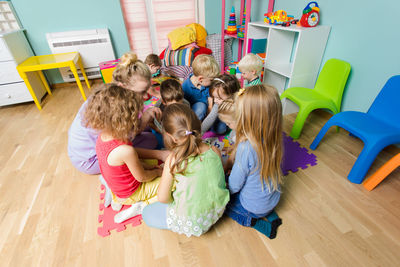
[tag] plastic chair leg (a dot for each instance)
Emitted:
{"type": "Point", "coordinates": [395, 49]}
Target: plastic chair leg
{"type": "Point", "coordinates": [299, 123]}
{"type": "Point", "coordinates": [321, 134]}
{"type": "Point", "coordinates": [382, 173]}
{"type": "Point", "coordinates": [363, 162]}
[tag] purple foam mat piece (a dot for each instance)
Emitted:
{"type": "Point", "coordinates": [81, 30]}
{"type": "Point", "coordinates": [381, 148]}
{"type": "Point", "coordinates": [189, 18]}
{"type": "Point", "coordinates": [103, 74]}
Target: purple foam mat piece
{"type": "Point", "coordinates": [295, 156]}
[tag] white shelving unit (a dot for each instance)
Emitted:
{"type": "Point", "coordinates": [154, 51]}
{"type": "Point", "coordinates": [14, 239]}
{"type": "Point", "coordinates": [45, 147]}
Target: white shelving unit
{"type": "Point", "coordinates": [8, 19]}
{"type": "Point", "coordinates": [293, 55]}
{"type": "Point", "coordinates": [14, 49]}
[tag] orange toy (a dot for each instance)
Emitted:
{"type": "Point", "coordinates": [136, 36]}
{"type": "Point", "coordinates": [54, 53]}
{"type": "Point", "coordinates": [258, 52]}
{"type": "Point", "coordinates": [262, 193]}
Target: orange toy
{"type": "Point", "coordinates": [382, 173]}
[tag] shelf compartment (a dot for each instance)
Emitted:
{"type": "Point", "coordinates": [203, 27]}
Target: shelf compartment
{"type": "Point", "coordinates": [284, 69]}
{"type": "Point", "coordinates": [257, 32]}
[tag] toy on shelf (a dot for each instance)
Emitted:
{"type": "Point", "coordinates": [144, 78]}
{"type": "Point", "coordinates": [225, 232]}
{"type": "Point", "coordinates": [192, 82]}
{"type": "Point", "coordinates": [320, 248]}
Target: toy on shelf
{"type": "Point", "coordinates": [107, 68]}
{"type": "Point", "coordinates": [232, 29]}
{"type": "Point", "coordinates": [242, 27]}
{"type": "Point", "coordinates": [279, 17]}
{"type": "Point", "coordinates": [310, 17]}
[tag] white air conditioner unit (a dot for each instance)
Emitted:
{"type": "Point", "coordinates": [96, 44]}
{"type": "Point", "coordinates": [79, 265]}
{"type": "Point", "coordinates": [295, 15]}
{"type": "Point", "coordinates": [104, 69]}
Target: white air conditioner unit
{"type": "Point", "coordinates": [94, 46]}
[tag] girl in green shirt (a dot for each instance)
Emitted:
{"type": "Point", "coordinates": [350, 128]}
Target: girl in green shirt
{"type": "Point", "coordinates": [192, 194]}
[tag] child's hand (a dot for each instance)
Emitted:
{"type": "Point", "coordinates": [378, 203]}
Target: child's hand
{"type": "Point", "coordinates": [154, 127]}
{"type": "Point", "coordinates": [210, 104]}
{"type": "Point", "coordinates": [149, 116]}
{"type": "Point", "coordinates": [159, 172]}
{"type": "Point", "coordinates": [228, 150]}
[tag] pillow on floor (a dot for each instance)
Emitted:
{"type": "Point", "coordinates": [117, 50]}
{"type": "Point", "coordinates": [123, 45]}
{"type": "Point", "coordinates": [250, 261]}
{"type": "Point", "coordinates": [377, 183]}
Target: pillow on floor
{"type": "Point", "coordinates": [180, 57]}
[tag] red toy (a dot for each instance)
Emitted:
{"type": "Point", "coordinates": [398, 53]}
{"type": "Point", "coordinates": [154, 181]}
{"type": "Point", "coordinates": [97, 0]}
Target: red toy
{"type": "Point", "coordinates": [310, 17]}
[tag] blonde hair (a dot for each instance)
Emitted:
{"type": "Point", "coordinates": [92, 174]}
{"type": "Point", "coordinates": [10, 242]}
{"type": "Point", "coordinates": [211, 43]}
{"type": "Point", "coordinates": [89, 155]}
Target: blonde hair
{"type": "Point", "coordinates": [227, 109]}
{"type": "Point", "coordinates": [205, 65]}
{"type": "Point", "coordinates": [229, 84]}
{"type": "Point", "coordinates": [250, 62]}
{"type": "Point", "coordinates": [153, 59]}
{"type": "Point", "coordinates": [129, 69]}
{"type": "Point", "coordinates": [182, 124]}
{"type": "Point", "coordinates": [259, 120]}
{"type": "Point", "coordinates": [115, 110]}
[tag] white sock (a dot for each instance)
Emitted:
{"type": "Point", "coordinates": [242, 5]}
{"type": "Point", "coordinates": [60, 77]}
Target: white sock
{"type": "Point", "coordinates": [107, 192]}
{"type": "Point", "coordinates": [116, 206]}
{"type": "Point", "coordinates": [130, 212]}
{"type": "Point", "coordinates": [107, 197]}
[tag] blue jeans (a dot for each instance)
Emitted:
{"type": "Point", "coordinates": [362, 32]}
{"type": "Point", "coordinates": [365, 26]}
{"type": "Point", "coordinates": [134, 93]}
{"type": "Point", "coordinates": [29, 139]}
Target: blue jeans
{"type": "Point", "coordinates": [155, 215]}
{"type": "Point", "coordinates": [219, 127]}
{"type": "Point", "coordinates": [235, 210]}
{"type": "Point", "coordinates": [200, 108]}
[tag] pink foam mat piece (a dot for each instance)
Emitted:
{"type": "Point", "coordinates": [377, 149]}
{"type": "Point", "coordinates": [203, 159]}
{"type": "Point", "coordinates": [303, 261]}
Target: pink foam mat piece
{"type": "Point", "coordinates": [107, 218]}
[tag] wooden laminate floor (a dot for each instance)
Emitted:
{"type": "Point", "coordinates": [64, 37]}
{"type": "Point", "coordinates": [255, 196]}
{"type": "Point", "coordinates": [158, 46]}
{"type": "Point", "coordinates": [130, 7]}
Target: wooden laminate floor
{"type": "Point", "coordinates": [49, 211]}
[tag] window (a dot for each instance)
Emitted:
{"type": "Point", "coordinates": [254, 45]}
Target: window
{"type": "Point", "coordinates": [148, 22]}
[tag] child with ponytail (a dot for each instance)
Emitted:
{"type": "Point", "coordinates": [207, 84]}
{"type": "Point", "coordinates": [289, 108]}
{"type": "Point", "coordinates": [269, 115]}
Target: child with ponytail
{"type": "Point", "coordinates": [255, 179]}
{"type": "Point", "coordinates": [192, 193]}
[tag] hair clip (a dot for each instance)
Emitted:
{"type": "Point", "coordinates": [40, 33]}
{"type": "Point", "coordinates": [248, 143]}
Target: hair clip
{"type": "Point", "coordinates": [220, 80]}
{"type": "Point", "coordinates": [188, 132]}
{"type": "Point", "coordinates": [241, 91]}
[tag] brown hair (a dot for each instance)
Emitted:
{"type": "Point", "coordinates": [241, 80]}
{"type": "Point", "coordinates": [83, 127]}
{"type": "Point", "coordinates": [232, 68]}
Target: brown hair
{"type": "Point", "coordinates": [171, 90]}
{"type": "Point", "coordinates": [153, 59]}
{"type": "Point", "coordinates": [182, 124]}
{"type": "Point", "coordinates": [129, 69]}
{"type": "Point", "coordinates": [259, 120]}
{"type": "Point", "coordinates": [115, 110]}
{"type": "Point", "coordinates": [205, 65]}
{"type": "Point", "coordinates": [229, 84]}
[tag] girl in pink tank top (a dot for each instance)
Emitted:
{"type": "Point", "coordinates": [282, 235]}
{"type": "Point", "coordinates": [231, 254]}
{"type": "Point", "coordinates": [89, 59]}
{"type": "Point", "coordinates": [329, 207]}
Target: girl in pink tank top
{"type": "Point", "coordinates": [113, 111]}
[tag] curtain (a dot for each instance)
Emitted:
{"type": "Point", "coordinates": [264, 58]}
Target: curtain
{"type": "Point", "coordinates": [148, 22]}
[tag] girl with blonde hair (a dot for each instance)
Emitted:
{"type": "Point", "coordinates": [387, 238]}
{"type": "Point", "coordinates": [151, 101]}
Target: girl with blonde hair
{"type": "Point", "coordinates": [192, 194]}
{"type": "Point", "coordinates": [131, 74]}
{"type": "Point", "coordinates": [114, 112]}
{"type": "Point", "coordinates": [256, 175]}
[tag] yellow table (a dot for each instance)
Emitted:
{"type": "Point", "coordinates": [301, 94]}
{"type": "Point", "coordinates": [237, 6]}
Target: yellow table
{"type": "Point", "coordinates": [39, 63]}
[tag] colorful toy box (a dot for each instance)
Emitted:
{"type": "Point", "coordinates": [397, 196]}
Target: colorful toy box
{"type": "Point", "coordinates": [107, 68]}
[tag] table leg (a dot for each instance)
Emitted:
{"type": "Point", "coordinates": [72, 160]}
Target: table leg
{"type": "Point", "coordinates": [83, 71]}
{"type": "Point", "coordinates": [78, 81]}
{"type": "Point", "coordinates": [25, 78]}
{"type": "Point", "coordinates": [46, 85]}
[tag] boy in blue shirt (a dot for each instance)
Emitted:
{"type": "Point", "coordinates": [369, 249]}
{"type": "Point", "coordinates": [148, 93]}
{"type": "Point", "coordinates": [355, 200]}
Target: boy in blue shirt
{"type": "Point", "coordinates": [195, 88]}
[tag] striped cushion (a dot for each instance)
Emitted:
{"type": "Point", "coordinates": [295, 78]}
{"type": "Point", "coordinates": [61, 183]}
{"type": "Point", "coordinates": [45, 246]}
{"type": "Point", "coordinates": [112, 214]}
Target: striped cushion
{"type": "Point", "coordinates": [179, 57]}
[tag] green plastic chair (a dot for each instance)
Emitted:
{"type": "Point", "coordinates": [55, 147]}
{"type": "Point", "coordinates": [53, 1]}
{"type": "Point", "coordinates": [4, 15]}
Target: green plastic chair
{"type": "Point", "coordinates": [327, 93]}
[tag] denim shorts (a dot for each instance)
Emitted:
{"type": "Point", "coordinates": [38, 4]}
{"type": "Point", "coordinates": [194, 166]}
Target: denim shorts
{"type": "Point", "coordinates": [235, 210]}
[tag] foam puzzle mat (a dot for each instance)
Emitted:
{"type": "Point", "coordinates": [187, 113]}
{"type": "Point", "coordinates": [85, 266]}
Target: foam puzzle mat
{"type": "Point", "coordinates": [107, 218]}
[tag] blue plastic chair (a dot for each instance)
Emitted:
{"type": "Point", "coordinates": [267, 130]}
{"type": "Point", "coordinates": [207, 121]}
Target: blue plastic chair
{"type": "Point", "coordinates": [378, 128]}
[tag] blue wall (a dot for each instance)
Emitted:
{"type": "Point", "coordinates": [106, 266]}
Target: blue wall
{"type": "Point", "coordinates": [364, 33]}
{"type": "Point", "coordinates": [42, 16]}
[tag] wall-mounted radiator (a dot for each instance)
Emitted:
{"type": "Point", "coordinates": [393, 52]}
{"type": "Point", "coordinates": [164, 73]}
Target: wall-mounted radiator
{"type": "Point", "coordinates": [94, 47]}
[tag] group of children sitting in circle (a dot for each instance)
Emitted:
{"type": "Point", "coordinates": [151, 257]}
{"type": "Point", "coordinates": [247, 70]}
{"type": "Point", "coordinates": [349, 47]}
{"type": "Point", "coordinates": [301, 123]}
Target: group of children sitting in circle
{"type": "Point", "coordinates": [193, 188]}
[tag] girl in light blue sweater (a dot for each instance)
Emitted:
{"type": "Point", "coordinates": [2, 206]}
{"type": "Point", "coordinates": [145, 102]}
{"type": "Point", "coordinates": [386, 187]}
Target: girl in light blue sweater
{"type": "Point", "coordinates": [255, 179]}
